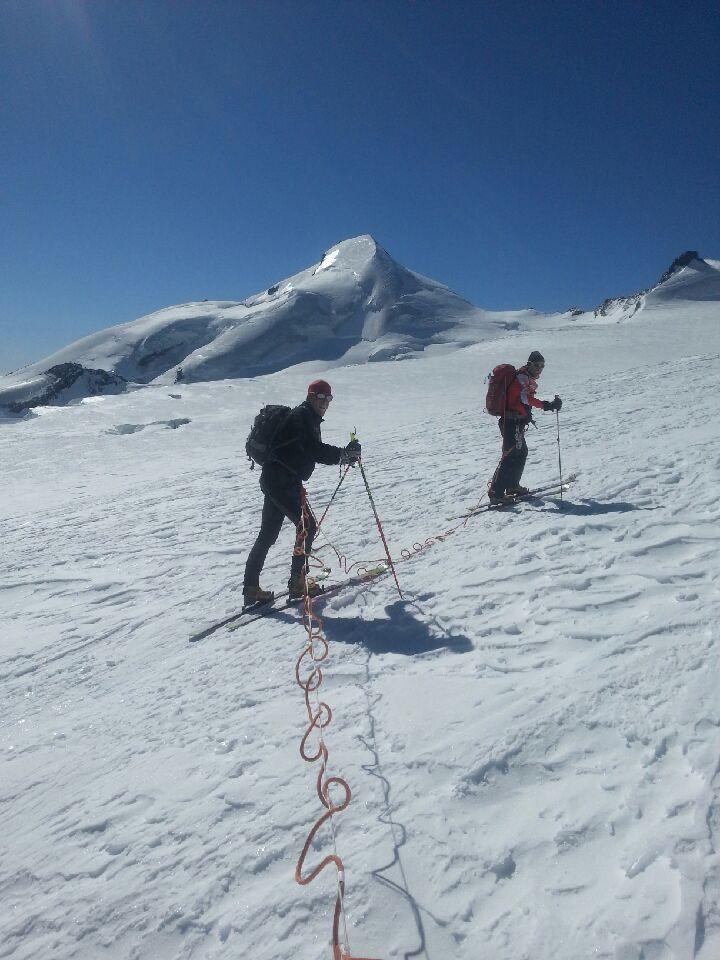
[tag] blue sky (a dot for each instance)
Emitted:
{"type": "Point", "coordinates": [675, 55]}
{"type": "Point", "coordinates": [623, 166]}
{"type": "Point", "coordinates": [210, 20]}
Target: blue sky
{"type": "Point", "coordinates": [526, 154]}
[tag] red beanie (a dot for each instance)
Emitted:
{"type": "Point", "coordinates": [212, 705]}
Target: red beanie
{"type": "Point", "coordinates": [320, 386]}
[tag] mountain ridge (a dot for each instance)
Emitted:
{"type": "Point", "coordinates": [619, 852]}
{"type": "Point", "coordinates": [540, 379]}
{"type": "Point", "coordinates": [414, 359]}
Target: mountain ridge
{"type": "Point", "coordinates": [356, 305]}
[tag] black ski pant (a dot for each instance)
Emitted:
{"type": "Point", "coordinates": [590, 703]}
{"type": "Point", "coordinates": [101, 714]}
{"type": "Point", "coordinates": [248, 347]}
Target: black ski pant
{"type": "Point", "coordinates": [283, 498]}
{"type": "Point", "coordinates": [514, 454]}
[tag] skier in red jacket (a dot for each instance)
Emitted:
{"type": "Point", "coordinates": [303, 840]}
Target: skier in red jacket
{"type": "Point", "coordinates": [521, 398]}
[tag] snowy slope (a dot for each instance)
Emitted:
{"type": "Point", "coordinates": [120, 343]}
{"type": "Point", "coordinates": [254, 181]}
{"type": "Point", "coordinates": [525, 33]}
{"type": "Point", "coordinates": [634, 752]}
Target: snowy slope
{"type": "Point", "coordinates": [689, 278]}
{"type": "Point", "coordinates": [532, 735]}
{"type": "Point", "coordinates": [356, 305]}
{"type": "Point", "coordinates": [698, 280]}
{"type": "Point", "coordinates": [357, 292]}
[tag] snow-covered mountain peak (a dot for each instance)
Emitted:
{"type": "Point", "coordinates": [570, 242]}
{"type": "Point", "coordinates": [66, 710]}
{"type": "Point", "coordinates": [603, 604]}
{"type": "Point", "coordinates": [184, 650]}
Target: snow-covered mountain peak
{"type": "Point", "coordinates": [356, 304]}
{"type": "Point", "coordinates": [689, 277]}
{"type": "Point", "coordinates": [684, 260]}
{"type": "Point", "coordinates": [353, 253]}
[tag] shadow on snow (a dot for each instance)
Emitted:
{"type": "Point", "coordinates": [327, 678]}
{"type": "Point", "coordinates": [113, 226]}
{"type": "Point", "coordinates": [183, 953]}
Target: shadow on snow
{"type": "Point", "coordinates": [401, 633]}
{"type": "Point", "coordinates": [594, 508]}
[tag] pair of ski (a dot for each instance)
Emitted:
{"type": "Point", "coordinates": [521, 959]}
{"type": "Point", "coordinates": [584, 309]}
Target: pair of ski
{"type": "Point", "coordinates": [282, 601]}
{"type": "Point", "coordinates": [538, 493]}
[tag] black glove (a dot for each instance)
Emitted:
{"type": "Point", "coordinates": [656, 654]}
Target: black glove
{"type": "Point", "coordinates": [351, 453]}
{"type": "Point", "coordinates": [557, 403]}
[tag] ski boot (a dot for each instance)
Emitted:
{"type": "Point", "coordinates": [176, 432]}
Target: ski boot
{"type": "Point", "coordinates": [500, 500]}
{"type": "Point", "coordinates": [299, 586]}
{"type": "Point", "coordinates": [256, 597]}
{"type": "Point", "coordinates": [517, 491]}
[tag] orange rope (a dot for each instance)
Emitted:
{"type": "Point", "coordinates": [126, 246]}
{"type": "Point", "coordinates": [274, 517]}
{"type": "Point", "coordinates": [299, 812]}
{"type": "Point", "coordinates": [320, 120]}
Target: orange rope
{"type": "Point", "coordinates": [320, 714]}
{"type": "Point", "coordinates": [406, 553]}
{"type": "Point", "coordinates": [320, 717]}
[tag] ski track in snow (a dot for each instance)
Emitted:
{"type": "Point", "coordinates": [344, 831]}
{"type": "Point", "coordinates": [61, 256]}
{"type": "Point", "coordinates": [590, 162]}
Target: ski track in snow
{"type": "Point", "coordinates": [532, 735]}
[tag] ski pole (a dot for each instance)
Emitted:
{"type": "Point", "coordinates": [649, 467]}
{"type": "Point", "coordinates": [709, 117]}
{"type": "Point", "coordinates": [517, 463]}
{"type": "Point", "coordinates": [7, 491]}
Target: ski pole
{"type": "Point", "coordinates": [557, 416]}
{"type": "Point", "coordinates": [379, 526]}
{"type": "Point", "coordinates": [331, 499]}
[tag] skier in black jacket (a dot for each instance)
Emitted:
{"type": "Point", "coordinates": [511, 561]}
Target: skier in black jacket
{"type": "Point", "coordinates": [298, 447]}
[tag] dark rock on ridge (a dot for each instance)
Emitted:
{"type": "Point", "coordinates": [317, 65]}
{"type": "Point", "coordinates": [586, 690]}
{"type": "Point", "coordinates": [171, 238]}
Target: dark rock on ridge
{"type": "Point", "coordinates": [64, 376]}
{"type": "Point", "coordinates": [678, 263]}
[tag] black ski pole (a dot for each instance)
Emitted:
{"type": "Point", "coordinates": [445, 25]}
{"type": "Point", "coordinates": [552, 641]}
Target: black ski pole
{"type": "Point", "coordinates": [331, 499]}
{"type": "Point", "coordinates": [557, 416]}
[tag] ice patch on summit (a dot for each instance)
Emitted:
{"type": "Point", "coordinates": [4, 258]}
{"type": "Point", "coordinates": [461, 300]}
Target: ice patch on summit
{"type": "Point", "coordinates": [329, 259]}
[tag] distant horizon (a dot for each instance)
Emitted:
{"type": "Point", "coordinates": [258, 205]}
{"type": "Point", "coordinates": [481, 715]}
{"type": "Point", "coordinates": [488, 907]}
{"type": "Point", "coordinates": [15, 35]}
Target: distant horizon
{"type": "Point", "coordinates": [544, 156]}
{"type": "Point", "coordinates": [277, 279]}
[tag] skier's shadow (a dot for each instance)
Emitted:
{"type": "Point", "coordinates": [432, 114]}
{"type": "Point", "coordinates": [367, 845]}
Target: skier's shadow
{"type": "Point", "coordinates": [400, 633]}
{"type": "Point", "coordinates": [594, 508]}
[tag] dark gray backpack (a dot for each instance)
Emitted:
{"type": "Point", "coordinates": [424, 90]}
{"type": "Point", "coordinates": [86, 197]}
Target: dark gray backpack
{"type": "Point", "coordinates": [261, 444]}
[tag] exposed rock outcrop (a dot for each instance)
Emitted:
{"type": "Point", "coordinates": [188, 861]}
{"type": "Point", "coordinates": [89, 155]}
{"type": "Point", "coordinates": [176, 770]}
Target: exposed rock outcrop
{"type": "Point", "coordinates": [678, 263]}
{"type": "Point", "coordinates": [622, 308]}
{"type": "Point", "coordinates": [60, 383]}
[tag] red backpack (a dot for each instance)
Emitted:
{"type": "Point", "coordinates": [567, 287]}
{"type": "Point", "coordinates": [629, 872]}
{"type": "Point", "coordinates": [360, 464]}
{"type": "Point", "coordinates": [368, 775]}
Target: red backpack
{"type": "Point", "coordinates": [498, 383]}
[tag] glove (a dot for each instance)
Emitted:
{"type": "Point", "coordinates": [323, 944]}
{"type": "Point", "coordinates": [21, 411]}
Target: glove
{"type": "Point", "coordinates": [557, 403]}
{"type": "Point", "coordinates": [351, 453]}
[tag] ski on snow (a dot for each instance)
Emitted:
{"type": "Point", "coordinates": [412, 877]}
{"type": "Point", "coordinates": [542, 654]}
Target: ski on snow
{"type": "Point", "coordinates": [282, 602]}
{"type": "Point", "coordinates": [214, 627]}
{"type": "Point", "coordinates": [539, 492]}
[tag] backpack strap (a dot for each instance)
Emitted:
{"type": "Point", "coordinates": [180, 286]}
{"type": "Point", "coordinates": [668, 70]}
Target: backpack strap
{"type": "Point", "coordinates": [272, 446]}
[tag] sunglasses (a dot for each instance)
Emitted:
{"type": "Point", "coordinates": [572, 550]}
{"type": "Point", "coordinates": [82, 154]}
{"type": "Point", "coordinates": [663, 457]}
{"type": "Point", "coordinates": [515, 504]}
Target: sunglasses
{"type": "Point", "coordinates": [323, 396]}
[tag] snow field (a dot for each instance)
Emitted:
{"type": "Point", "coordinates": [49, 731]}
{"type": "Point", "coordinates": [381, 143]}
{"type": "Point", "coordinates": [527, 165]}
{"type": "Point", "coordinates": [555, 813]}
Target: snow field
{"type": "Point", "coordinates": [531, 736]}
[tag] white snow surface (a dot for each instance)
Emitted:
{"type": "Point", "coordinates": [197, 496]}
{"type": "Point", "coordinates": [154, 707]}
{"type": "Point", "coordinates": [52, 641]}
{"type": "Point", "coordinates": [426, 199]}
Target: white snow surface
{"type": "Point", "coordinates": [531, 735]}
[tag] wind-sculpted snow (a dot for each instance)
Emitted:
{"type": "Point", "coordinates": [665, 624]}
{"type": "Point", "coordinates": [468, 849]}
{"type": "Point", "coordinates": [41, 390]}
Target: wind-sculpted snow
{"type": "Point", "coordinates": [532, 735]}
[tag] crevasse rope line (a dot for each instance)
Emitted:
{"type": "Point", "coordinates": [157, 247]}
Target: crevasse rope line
{"type": "Point", "coordinates": [320, 717]}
